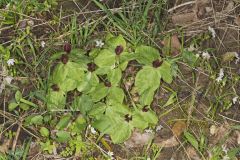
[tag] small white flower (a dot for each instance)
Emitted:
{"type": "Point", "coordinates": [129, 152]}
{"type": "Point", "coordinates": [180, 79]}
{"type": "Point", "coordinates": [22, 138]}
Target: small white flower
{"type": "Point", "coordinates": [99, 43]}
{"type": "Point", "coordinates": [8, 79]}
{"type": "Point", "coordinates": [197, 55]}
{"type": "Point", "coordinates": [43, 44]}
{"type": "Point", "coordinates": [237, 58]}
{"type": "Point", "coordinates": [10, 62]}
{"type": "Point", "coordinates": [224, 149]}
{"type": "Point", "coordinates": [158, 128]}
{"type": "Point", "coordinates": [93, 131]}
{"type": "Point", "coordinates": [220, 76]}
{"type": "Point", "coordinates": [234, 100]}
{"type": "Point", "coordinates": [206, 55]}
{"type": "Point", "coordinates": [213, 130]}
{"type": "Point", "coordinates": [110, 154]}
{"type": "Point", "coordinates": [191, 48]}
{"type": "Point", "coordinates": [148, 130]}
{"type": "Point", "coordinates": [210, 29]}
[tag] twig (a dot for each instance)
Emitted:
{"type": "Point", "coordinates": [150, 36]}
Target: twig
{"type": "Point", "coordinates": [16, 137]}
{"type": "Point", "coordinates": [181, 5]}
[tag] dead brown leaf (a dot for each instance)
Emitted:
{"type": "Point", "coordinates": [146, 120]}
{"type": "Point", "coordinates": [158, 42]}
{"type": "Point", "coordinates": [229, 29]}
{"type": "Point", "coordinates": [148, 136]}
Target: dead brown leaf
{"type": "Point", "coordinates": [183, 19]}
{"type": "Point", "coordinates": [191, 152]}
{"type": "Point", "coordinates": [4, 146]}
{"type": "Point", "coordinates": [237, 20]}
{"type": "Point", "coordinates": [171, 142]}
{"type": "Point", "coordinates": [178, 128]}
{"type": "Point", "coordinates": [200, 8]}
{"type": "Point", "coordinates": [138, 139]}
{"type": "Point", "coordinates": [173, 44]}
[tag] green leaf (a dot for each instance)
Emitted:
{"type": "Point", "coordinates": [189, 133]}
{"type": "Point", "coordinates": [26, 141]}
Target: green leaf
{"type": "Point", "coordinates": [116, 94]}
{"type": "Point", "coordinates": [116, 41]}
{"type": "Point", "coordinates": [191, 139]}
{"type": "Point", "coordinates": [99, 93]}
{"type": "Point", "coordinates": [59, 74]}
{"type": "Point", "coordinates": [97, 110]}
{"type": "Point", "coordinates": [146, 54]}
{"type": "Point", "coordinates": [103, 124]}
{"type": "Point", "coordinates": [18, 96]}
{"type": "Point", "coordinates": [138, 121]}
{"type": "Point", "coordinates": [56, 56]}
{"type": "Point", "coordinates": [88, 83]}
{"type": "Point", "coordinates": [12, 106]}
{"type": "Point", "coordinates": [171, 100]}
{"type": "Point", "coordinates": [105, 58]}
{"type": "Point", "coordinates": [75, 71]}
{"type": "Point", "coordinates": [28, 102]}
{"type": "Point", "coordinates": [79, 125]}
{"type": "Point", "coordinates": [63, 123]}
{"type": "Point", "coordinates": [36, 120]}
{"type": "Point", "coordinates": [147, 78]}
{"type": "Point", "coordinates": [63, 136]}
{"type": "Point", "coordinates": [83, 103]}
{"type": "Point", "coordinates": [24, 106]}
{"type": "Point", "coordinates": [68, 85]}
{"type": "Point", "coordinates": [44, 132]}
{"type": "Point", "coordinates": [166, 72]}
{"type": "Point", "coordinates": [146, 97]}
{"type": "Point", "coordinates": [115, 76]}
{"type": "Point", "coordinates": [56, 100]}
{"type": "Point", "coordinates": [189, 57]}
{"type": "Point", "coordinates": [120, 132]}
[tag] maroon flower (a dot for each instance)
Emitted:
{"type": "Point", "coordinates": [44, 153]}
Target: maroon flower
{"type": "Point", "coordinates": [91, 67]}
{"type": "Point", "coordinates": [119, 50]}
{"type": "Point", "coordinates": [157, 63]}
{"type": "Point", "coordinates": [108, 84]}
{"type": "Point", "coordinates": [67, 47]}
{"type": "Point", "coordinates": [64, 58]}
{"type": "Point", "coordinates": [128, 117]}
{"type": "Point", "coordinates": [55, 87]}
{"type": "Point", "coordinates": [145, 109]}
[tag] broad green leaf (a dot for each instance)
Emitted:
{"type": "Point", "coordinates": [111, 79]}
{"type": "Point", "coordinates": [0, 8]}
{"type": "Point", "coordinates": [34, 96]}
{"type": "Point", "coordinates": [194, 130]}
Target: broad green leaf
{"type": "Point", "coordinates": [63, 136]}
{"type": "Point", "coordinates": [147, 78]}
{"type": "Point", "coordinates": [117, 109]}
{"type": "Point", "coordinates": [36, 120]}
{"type": "Point", "coordinates": [149, 117]}
{"type": "Point", "coordinates": [120, 132]}
{"type": "Point", "coordinates": [18, 96]}
{"type": "Point", "coordinates": [138, 121]}
{"type": "Point", "coordinates": [103, 70]}
{"type": "Point", "coordinates": [63, 123]}
{"type": "Point", "coordinates": [189, 57]}
{"type": "Point", "coordinates": [115, 76]}
{"type": "Point", "coordinates": [88, 83]}
{"type": "Point", "coordinates": [191, 139]}
{"type": "Point", "coordinates": [105, 58]}
{"type": "Point", "coordinates": [68, 85]}
{"type": "Point", "coordinates": [146, 54]}
{"type": "Point", "coordinates": [79, 125]}
{"type": "Point", "coordinates": [59, 74]}
{"type": "Point", "coordinates": [56, 56]}
{"type": "Point", "coordinates": [104, 124]}
{"type": "Point", "coordinates": [56, 100]}
{"type": "Point", "coordinates": [83, 103]}
{"type": "Point", "coordinates": [116, 94]}
{"type": "Point", "coordinates": [44, 132]}
{"type": "Point", "coordinates": [12, 106]}
{"type": "Point", "coordinates": [97, 110]}
{"type": "Point", "coordinates": [75, 71]}
{"type": "Point", "coordinates": [146, 97]}
{"type": "Point", "coordinates": [24, 106]}
{"type": "Point", "coordinates": [116, 41]}
{"type": "Point", "coordinates": [166, 72]}
{"type": "Point", "coordinates": [99, 93]}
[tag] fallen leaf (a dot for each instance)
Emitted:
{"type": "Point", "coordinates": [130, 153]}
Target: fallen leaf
{"type": "Point", "coordinates": [4, 146]}
{"type": "Point", "coordinates": [213, 129]}
{"type": "Point", "coordinates": [183, 19]}
{"type": "Point", "coordinates": [178, 128]}
{"type": "Point", "coordinates": [200, 8]}
{"type": "Point", "coordinates": [171, 142]}
{"type": "Point", "coordinates": [191, 152]}
{"type": "Point", "coordinates": [173, 44]}
{"type": "Point", "coordinates": [237, 20]}
{"type": "Point", "coordinates": [138, 139]}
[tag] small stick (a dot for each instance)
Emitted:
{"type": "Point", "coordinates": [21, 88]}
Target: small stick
{"type": "Point", "coordinates": [16, 137]}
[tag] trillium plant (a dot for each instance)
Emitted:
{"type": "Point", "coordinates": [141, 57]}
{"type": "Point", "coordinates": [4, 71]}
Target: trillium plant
{"type": "Point", "coordinates": [92, 84]}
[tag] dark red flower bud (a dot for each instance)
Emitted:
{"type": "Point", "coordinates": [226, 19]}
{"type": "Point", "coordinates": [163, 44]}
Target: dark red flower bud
{"type": "Point", "coordinates": [119, 50]}
{"type": "Point", "coordinates": [55, 87]}
{"type": "Point", "coordinates": [145, 109]}
{"type": "Point", "coordinates": [157, 63]}
{"type": "Point", "coordinates": [67, 47]}
{"type": "Point", "coordinates": [128, 117]}
{"type": "Point", "coordinates": [108, 84]}
{"type": "Point", "coordinates": [91, 67]}
{"type": "Point", "coordinates": [64, 58]}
